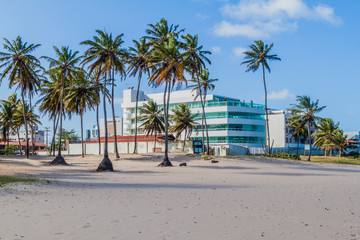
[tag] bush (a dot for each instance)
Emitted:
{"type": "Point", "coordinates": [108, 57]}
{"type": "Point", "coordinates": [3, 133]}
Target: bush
{"type": "Point", "coordinates": [353, 154]}
{"type": "Point", "coordinates": [12, 150]}
{"type": "Point", "coordinates": [283, 156]}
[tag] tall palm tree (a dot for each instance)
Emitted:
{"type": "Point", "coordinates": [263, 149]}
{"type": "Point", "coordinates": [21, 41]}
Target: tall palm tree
{"type": "Point", "coordinates": [325, 131]}
{"type": "Point", "coordinates": [259, 55]}
{"type": "Point", "coordinates": [305, 112]}
{"type": "Point", "coordinates": [81, 96]}
{"type": "Point", "coordinates": [297, 130]}
{"type": "Point", "coordinates": [66, 64]}
{"type": "Point", "coordinates": [152, 118]}
{"type": "Point", "coordinates": [162, 31]}
{"type": "Point", "coordinates": [6, 121]}
{"type": "Point", "coordinates": [107, 58]}
{"type": "Point", "coordinates": [138, 64]}
{"type": "Point", "coordinates": [183, 121]}
{"type": "Point", "coordinates": [20, 68]}
{"type": "Point", "coordinates": [196, 60]}
{"type": "Point", "coordinates": [168, 68]}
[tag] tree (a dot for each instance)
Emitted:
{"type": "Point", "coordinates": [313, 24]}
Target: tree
{"type": "Point", "coordinates": [325, 131]}
{"type": "Point", "coordinates": [168, 68]}
{"type": "Point", "coordinates": [81, 96]}
{"type": "Point", "coordinates": [66, 66]}
{"type": "Point", "coordinates": [106, 58]}
{"type": "Point", "coordinates": [297, 130]}
{"type": "Point", "coordinates": [339, 141]}
{"type": "Point", "coordinates": [259, 55]}
{"type": "Point", "coordinates": [183, 121]}
{"type": "Point", "coordinates": [69, 135]}
{"type": "Point", "coordinates": [20, 68]}
{"type": "Point", "coordinates": [138, 64]}
{"type": "Point", "coordinates": [305, 112]}
{"type": "Point", "coordinates": [196, 58]}
{"type": "Point", "coordinates": [6, 121]}
{"type": "Point", "coordinates": [152, 118]}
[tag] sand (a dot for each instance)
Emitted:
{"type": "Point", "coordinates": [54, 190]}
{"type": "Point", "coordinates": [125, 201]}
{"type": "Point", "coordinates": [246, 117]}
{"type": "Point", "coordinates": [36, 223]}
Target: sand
{"type": "Point", "coordinates": [237, 198]}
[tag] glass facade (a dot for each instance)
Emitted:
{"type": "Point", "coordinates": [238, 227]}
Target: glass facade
{"type": "Point", "coordinates": [234, 127]}
{"type": "Point", "coordinates": [231, 139]}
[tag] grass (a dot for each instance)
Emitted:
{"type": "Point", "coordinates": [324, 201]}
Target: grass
{"type": "Point", "coordinates": [332, 159]}
{"type": "Point", "coordinates": [12, 179]}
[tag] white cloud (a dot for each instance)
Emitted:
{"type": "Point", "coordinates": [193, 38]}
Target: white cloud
{"type": "Point", "coordinates": [215, 50]}
{"type": "Point", "coordinates": [201, 16]}
{"type": "Point", "coordinates": [281, 95]}
{"type": "Point", "coordinates": [239, 51]}
{"type": "Point", "coordinates": [118, 100]}
{"type": "Point", "coordinates": [261, 18]}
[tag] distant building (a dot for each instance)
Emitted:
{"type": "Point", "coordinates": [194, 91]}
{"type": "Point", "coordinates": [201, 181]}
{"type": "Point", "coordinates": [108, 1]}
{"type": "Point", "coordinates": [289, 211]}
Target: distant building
{"type": "Point", "coordinates": [92, 133]}
{"type": "Point", "coordinates": [353, 138]}
{"type": "Point", "coordinates": [39, 135]}
{"type": "Point", "coordinates": [110, 126]}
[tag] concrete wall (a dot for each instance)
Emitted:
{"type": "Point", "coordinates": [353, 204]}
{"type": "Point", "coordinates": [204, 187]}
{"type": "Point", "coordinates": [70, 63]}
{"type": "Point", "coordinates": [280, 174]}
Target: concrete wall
{"type": "Point", "coordinates": [128, 147]}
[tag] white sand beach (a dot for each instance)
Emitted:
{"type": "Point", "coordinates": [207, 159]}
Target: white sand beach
{"type": "Point", "coordinates": [237, 198]}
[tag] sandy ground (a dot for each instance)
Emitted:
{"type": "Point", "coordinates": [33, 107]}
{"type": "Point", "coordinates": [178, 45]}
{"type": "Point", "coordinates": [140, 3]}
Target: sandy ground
{"type": "Point", "coordinates": [242, 198]}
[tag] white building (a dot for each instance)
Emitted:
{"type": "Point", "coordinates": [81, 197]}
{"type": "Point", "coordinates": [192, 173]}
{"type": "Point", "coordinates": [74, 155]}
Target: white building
{"type": "Point", "coordinates": [39, 135]}
{"type": "Point", "coordinates": [110, 126]}
{"type": "Point", "coordinates": [229, 120]}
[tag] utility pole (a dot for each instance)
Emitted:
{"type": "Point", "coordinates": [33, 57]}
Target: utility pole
{"type": "Point", "coordinates": [47, 129]}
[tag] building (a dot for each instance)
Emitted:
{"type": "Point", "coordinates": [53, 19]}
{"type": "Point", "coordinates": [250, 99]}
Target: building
{"type": "Point", "coordinates": [110, 126]}
{"type": "Point", "coordinates": [280, 136]}
{"type": "Point", "coordinates": [353, 138]}
{"type": "Point", "coordinates": [39, 135]}
{"type": "Point", "coordinates": [230, 121]}
{"type": "Point", "coordinates": [92, 133]}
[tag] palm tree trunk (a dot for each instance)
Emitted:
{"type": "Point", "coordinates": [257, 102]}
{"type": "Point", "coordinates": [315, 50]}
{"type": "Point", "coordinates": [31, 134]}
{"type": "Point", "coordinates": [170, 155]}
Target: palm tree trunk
{"type": "Point", "coordinates": [297, 148]}
{"type": "Point", "coordinates": [267, 131]}
{"type": "Point", "coordinates": [166, 162]}
{"type": "Point", "coordinates": [206, 129]}
{"type": "Point", "coordinates": [136, 110]}
{"type": "Point", "coordinates": [7, 142]}
{"type": "Point", "coordinates": [105, 164]}
{"type": "Point", "coordinates": [154, 142]}
{"type": "Point", "coordinates": [202, 132]}
{"type": "Point", "coordinates": [55, 130]}
{"type": "Point", "coordinates": [82, 135]}
{"type": "Point", "coordinates": [309, 133]}
{"type": "Point", "coordinates": [20, 147]}
{"type": "Point", "coordinates": [32, 130]}
{"type": "Point", "coordinates": [98, 125]}
{"type": "Point", "coordinates": [26, 125]}
{"type": "Point", "coordinates": [184, 140]}
{"type": "Point", "coordinates": [113, 114]}
{"type": "Point", "coordinates": [203, 113]}
{"type": "Point", "coordinates": [59, 160]}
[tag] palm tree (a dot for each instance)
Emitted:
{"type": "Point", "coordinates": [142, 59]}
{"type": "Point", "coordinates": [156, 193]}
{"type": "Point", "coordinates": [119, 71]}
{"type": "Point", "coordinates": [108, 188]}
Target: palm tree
{"type": "Point", "coordinates": [196, 60]}
{"type": "Point", "coordinates": [339, 141]}
{"type": "Point", "coordinates": [325, 131]}
{"type": "Point", "coordinates": [81, 96]}
{"type": "Point", "coordinates": [6, 121]}
{"type": "Point", "coordinates": [305, 112]}
{"type": "Point", "coordinates": [20, 67]}
{"type": "Point", "coordinates": [184, 121]}
{"type": "Point", "coordinates": [297, 130]}
{"type": "Point", "coordinates": [138, 64]}
{"type": "Point", "coordinates": [168, 68]}
{"type": "Point", "coordinates": [66, 66]}
{"type": "Point", "coordinates": [259, 55]}
{"type": "Point", "coordinates": [152, 118]}
{"type": "Point", "coordinates": [161, 32]}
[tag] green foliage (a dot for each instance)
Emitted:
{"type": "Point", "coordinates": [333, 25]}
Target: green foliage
{"type": "Point", "coordinates": [283, 156]}
{"type": "Point", "coordinates": [11, 179]}
{"type": "Point", "coordinates": [12, 150]}
{"type": "Point", "coordinates": [352, 154]}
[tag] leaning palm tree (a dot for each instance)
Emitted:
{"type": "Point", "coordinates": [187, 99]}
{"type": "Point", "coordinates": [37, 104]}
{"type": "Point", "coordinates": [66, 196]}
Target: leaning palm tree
{"type": "Point", "coordinates": [138, 64]}
{"type": "Point", "coordinates": [66, 66]}
{"type": "Point", "coordinates": [168, 66]}
{"type": "Point", "coordinates": [259, 55]}
{"type": "Point", "coordinates": [305, 112]}
{"type": "Point", "coordinates": [81, 96]}
{"type": "Point", "coordinates": [20, 68]}
{"type": "Point", "coordinates": [183, 121]}
{"type": "Point", "coordinates": [152, 119]}
{"type": "Point", "coordinates": [108, 58]}
{"type": "Point", "coordinates": [196, 60]}
{"type": "Point", "coordinates": [325, 131]}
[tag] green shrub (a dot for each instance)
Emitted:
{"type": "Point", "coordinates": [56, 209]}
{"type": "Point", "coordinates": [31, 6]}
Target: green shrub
{"type": "Point", "coordinates": [283, 156]}
{"type": "Point", "coordinates": [12, 150]}
{"type": "Point", "coordinates": [353, 154]}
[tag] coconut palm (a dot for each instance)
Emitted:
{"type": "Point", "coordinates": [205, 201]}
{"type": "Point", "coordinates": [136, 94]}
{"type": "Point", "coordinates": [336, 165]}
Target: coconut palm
{"type": "Point", "coordinates": [152, 118]}
{"type": "Point", "coordinates": [196, 60]}
{"type": "Point", "coordinates": [183, 121]}
{"type": "Point", "coordinates": [66, 65]}
{"type": "Point", "coordinates": [81, 96]}
{"type": "Point", "coordinates": [138, 64]}
{"type": "Point", "coordinates": [162, 31]}
{"type": "Point", "coordinates": [6, 122]}
{"type": "Point", "coordinates": [168, 68]}
{"type": "Point", "coordinates": [297, 130]}
{"type": "Point", "coordinates": [305, 112]}
{"type": "Point", "coordinates": [109, 59]}
{"type": "Point", "coordinates": [339, 141]}
{"type": "Point", "coordinates": [325, 131]}
{"type": "Point", "coordinates": [20, 68]}
{"type": "Point", "coordinates": [259, 55]}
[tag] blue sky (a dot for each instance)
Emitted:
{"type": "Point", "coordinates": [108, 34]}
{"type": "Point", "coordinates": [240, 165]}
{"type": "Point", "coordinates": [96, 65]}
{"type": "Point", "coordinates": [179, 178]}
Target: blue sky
{"type": "Point", "coordinates": [316, 40]}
